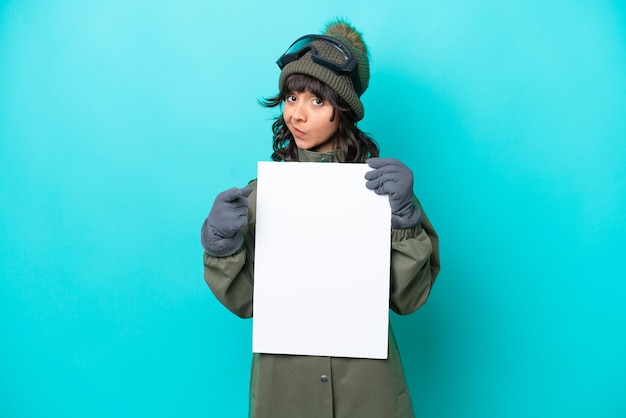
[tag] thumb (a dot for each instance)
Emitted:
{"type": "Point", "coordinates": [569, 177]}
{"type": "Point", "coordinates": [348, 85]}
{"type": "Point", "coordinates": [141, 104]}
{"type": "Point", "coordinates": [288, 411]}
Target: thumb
{"type": "Point", "coordinates": [230, 195]}
{"type": "Point", "coordinates": [245, 192]}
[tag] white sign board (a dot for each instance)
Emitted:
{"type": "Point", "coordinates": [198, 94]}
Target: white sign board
{"type": "Point", "coordinates": [322, 254]}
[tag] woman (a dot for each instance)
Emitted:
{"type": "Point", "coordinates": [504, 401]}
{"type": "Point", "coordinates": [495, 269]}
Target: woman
{"type": "Point", "coordinates": [321, 82]}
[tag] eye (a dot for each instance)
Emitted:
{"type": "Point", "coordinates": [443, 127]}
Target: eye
{"type": "Point", "coordinates": [318, 102]}
{"type": "Point", "coordinates": [290, 98]}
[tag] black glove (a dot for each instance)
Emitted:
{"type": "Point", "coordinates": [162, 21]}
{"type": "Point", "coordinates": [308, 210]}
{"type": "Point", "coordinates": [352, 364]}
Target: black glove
{"type": "Point", "coordinates": [221, 235]}
{"type": "Point", "coordinates": [393, 178]}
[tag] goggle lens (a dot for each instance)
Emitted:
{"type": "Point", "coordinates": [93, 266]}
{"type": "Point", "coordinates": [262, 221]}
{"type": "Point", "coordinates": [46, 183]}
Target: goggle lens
{"type": "Point", "coordinates": [335, 51]}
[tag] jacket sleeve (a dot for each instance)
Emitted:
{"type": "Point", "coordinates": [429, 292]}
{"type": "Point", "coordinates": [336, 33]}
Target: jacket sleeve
{"type": "Point", "coordinates": [231, 278]}
{"type": "Point", "coordinates": [414, 266]}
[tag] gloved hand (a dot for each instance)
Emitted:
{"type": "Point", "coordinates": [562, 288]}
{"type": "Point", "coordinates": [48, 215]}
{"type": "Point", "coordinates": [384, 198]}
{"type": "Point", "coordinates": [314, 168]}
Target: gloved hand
{"type": "Point", "coordinates": [391, 177]}
{"type": "Point", "coordinates": [221, 235]}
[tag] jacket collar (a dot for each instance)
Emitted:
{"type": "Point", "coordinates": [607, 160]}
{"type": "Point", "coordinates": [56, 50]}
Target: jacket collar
{"type": "Point", "coordinates": [334, 156]}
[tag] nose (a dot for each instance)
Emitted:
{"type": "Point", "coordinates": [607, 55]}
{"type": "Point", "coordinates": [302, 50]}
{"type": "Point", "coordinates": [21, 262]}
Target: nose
{"type": "Point", "coordinates": [299, 111]}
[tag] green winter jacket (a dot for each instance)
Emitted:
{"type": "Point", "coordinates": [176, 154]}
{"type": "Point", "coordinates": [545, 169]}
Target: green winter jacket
{"type": "Point", "coordinates": [286, 386]}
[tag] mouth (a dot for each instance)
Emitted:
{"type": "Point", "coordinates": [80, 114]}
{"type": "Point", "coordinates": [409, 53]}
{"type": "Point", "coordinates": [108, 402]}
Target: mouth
{"type": "Point", "coordinates": [297, 132]}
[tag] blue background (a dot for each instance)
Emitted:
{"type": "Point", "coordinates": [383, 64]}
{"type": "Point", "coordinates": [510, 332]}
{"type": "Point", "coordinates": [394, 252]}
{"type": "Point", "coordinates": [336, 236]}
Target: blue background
{"type": "Point", "coordinates": [120, 122]}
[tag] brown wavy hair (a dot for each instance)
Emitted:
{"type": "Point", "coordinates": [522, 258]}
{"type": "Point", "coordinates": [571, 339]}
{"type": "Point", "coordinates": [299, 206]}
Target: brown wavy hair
{"type": "Point", "coordinates": [356, 145]}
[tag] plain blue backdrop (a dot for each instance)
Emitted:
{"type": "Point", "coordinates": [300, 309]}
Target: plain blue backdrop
{"type": "Point", "coordinates": [120, 121]}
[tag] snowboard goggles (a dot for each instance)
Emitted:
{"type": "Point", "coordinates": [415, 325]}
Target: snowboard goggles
{"type": "Point", "coordinates": [342, 62]}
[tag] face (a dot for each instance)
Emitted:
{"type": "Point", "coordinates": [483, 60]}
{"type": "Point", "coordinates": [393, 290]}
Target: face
{"type": "Point", "coordinates": [308, 118]}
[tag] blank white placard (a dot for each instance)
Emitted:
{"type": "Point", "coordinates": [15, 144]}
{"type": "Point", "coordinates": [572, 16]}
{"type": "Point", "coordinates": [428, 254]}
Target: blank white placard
{"type": "Point", "coordinates": [322, 254]}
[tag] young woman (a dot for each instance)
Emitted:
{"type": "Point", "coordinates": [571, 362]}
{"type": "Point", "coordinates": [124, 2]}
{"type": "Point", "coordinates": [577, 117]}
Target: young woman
{"type": "Point", "coordinates": [322, 79]}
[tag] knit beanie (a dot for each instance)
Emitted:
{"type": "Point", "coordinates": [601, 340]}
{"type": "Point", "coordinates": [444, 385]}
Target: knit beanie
{"type": "Point", "coordinates": [345, 33]}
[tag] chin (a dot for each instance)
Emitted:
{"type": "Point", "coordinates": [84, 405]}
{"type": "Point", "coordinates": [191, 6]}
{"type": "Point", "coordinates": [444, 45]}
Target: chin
{"type": "Point", "coordinates": [302, 145]}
